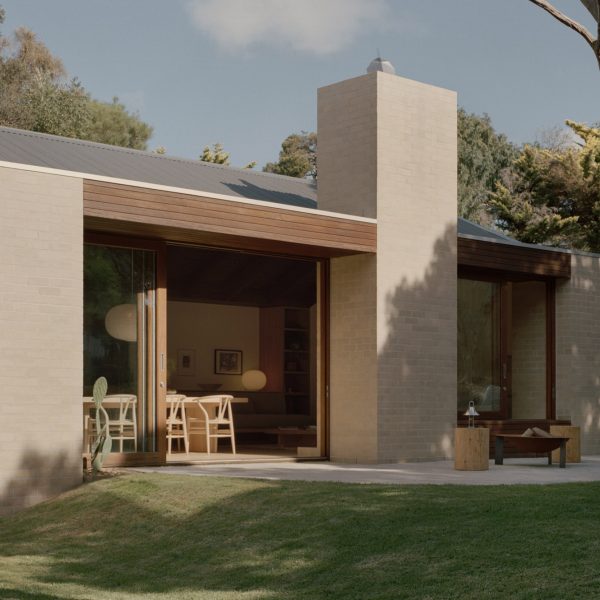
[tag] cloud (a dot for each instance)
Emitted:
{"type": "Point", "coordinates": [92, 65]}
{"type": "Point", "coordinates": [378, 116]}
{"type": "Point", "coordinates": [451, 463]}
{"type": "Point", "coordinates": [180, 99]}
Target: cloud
{"type": "Point", "coordinates": [313, 26]}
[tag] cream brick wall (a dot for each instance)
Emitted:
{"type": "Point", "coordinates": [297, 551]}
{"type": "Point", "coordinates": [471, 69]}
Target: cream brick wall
{"type": "Point", "coordinates": [41, 302]}
{"type": "Point", "coordinates": [529, 350]}
{"type": "Point", "coordinates": [347, 157]}
{"type": "Point", "coordinates": [416, 269]}
{"type": "Point", "coordinates": [353, 360]}
{"type": "Point", "coordinates": [409, 184]}
{"type": "Point", "coordinates": [578, 349]}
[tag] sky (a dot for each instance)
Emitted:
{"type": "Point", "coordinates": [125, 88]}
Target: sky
{"type": "Point", "coordinates": [245, 73]}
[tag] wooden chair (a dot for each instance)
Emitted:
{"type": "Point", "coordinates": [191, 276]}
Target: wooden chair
{"type": "Point", "coordinates": [176, 422]}
{"type": "Point", "coordinates": [124, 427]}
{"type": "Point", "coordinates": [215, 426]}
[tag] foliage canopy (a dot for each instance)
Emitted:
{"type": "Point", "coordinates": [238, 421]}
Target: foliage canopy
{"type": "Point", "coordinates": [36, 95]}
{"type": "Point", "coordinates": [552, 196]}
{"type": "Point", "coordinates": [482, 155]}
{"type": "Point", "coordinates": [298, 156]}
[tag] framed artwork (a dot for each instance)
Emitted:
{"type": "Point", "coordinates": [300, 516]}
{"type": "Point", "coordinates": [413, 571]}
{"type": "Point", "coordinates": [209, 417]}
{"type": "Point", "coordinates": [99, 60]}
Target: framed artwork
{"type": "Point", "coordinates": [186, 362]}
{"type": "Point", "coordinates": [228, 362]}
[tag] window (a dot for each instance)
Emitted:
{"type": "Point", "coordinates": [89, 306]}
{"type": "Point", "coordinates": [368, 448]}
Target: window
{"type": "Point", "coordinates": [505, 333]}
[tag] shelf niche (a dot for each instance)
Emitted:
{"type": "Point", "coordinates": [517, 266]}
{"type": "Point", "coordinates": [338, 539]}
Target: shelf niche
{"type": "Point", "coordinates": [285, 355]}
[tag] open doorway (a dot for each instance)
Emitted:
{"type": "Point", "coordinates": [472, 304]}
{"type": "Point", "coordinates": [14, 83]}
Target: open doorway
{"type": "Point", "coordinates": [248, 326]}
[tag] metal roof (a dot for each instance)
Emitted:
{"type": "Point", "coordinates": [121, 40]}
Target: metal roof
{"type": "Point", "coordinates": [68, 154]}
{"type": "Point", "coordinates": [472, 230]}
{"type": "Point", "coordinates": [468, 229]}
{"type": "Point", "coordinates": [80, 156]}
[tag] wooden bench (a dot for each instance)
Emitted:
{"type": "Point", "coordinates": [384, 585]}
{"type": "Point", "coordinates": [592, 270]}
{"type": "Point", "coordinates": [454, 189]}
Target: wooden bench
{"type": "Point", "coordinates": [287, 437]}
{"type": "Point", "coordinates": [532, 444]}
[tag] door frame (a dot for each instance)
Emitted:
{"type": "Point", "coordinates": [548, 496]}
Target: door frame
{"type": "Point", "coordinates": [158, 357]}
{"type": "Point", "coordinates": [322, 300]}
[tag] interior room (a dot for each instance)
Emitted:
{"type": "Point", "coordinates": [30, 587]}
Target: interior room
{"type": "Point", "coordinates": [243, 325]}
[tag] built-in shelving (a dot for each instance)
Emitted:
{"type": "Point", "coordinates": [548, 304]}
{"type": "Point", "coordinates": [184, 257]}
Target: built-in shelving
{"type": "Point", "coordinates": [296, 362]}
{"type": "Point", "coordinates": [285, 355]}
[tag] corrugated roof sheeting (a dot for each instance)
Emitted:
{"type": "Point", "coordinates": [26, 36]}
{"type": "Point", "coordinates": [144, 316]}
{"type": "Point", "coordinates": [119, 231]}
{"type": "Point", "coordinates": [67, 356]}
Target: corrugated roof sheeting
{"type": "Point", "coordinates": [43, 150]}
{"type": "Point", "coordinates": [482, 233]}
{"type": "Point", "coordinates": [68, 154]}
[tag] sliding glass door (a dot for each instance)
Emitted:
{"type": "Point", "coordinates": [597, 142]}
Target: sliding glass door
{"type": "Point", "coordinates": [479, 347]}
{"type": "Point", "coordinates": [121, 343]}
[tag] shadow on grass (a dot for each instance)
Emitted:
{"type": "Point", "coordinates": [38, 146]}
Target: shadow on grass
{"type": "Point", "coordinates": [156, 534]}
{"type": "Point", "coordinates": [13, 594]}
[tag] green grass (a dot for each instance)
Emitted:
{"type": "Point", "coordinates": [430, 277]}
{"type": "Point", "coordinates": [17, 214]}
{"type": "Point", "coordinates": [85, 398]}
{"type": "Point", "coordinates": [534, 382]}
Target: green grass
{"type": "Point", "coordinates": [161, 536]}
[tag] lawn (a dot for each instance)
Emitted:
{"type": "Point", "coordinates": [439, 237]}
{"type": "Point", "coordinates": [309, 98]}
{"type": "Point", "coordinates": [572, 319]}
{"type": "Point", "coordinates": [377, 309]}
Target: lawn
{"type": "Point", "coordinates": [161, 536]}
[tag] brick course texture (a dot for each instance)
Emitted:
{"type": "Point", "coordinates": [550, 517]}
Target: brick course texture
{"type": "Point", "coordinates": [387, 149]}
{"type": "Point", "coordinates": [578, 349]}
{"type": "Point", "coordinates": [41, 308]}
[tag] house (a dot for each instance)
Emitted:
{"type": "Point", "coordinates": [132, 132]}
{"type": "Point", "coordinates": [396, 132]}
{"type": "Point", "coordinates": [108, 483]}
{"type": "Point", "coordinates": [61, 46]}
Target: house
{"type": "Point", "coordinates": [373, 315]}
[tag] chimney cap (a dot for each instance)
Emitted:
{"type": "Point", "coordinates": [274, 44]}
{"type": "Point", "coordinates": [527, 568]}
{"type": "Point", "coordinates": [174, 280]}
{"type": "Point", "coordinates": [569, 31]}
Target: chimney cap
{"type": "Point", "coordinates": [381, 64]}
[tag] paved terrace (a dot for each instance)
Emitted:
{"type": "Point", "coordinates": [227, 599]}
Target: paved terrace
{"type": "Point", "coordinates": [514, 471]}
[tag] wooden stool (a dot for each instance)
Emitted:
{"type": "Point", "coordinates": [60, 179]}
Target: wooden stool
{"type": "Point", "coordinates": [471, 449]}
{"type": "Point", "coordinates": [574, 443]}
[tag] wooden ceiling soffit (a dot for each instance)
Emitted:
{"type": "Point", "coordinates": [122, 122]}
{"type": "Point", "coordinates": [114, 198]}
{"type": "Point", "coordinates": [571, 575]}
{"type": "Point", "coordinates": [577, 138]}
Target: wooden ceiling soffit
{"type": "Point", "coordinates": [508, 258]}
{"type": "Point", "coordinates": [179, 217]}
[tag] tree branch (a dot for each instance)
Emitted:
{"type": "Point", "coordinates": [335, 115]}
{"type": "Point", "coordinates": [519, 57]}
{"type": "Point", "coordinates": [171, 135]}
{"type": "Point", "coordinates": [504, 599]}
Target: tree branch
{"type": "Point", "coordinates": [574, 25]}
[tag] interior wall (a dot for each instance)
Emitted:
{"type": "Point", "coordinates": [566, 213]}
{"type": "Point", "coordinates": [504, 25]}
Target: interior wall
{"type": "Point", "coordinates": [529, 350]}
{"type": "Point", "coordinates": [204, 328]}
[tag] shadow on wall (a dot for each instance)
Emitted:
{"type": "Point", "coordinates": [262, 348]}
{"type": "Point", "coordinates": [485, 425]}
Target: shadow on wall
{"type": "Point", "coordinates": [578, 354]}
{"type": "Point", "coordinates": [417, 363]}
{"type": "Point", "coordinates": [39, 477]}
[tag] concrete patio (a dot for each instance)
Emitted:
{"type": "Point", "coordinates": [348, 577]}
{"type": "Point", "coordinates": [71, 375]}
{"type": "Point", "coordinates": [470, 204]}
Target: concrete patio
{"type": "Point", "coordinates": [514, 471]}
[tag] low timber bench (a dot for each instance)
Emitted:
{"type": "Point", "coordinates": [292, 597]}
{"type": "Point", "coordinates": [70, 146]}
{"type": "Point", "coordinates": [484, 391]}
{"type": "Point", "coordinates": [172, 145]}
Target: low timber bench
{"type": "Point", "coordinates": [287, 437]}
{"type": "Point", "coordinates": [532, 444]}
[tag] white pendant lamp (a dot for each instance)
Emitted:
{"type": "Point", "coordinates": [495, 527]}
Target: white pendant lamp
{"type": "Point", "coordinates": [121, 322]}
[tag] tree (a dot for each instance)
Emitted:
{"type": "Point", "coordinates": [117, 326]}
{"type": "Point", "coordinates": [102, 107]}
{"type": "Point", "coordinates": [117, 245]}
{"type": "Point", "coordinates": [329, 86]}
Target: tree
{"type": "Point", "coordinates": [298, 156]}
{"type": "Point", "coordinates": [32, 88]}
{"type": "Point", "coordinates": [217, 155]}
{"type": "Point", "coordinates": [482, 155]}
{"type": "Point", "coordinates": [36, 95]}
{"type": "Point", "coordinates": [111, 123]}
{"type": "Point", "coordinates": [593, 7]}
{"type": "Point", "coordinates": [552, 196]}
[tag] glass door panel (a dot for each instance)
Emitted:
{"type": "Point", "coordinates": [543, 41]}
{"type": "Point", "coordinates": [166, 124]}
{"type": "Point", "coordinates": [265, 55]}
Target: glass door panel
{"type": "Point", "coordinates": [479, 346]}
{"type": "Point", "coordinates": [528, 333]}
{"type": "Point", "coordinates": [119, 341]}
